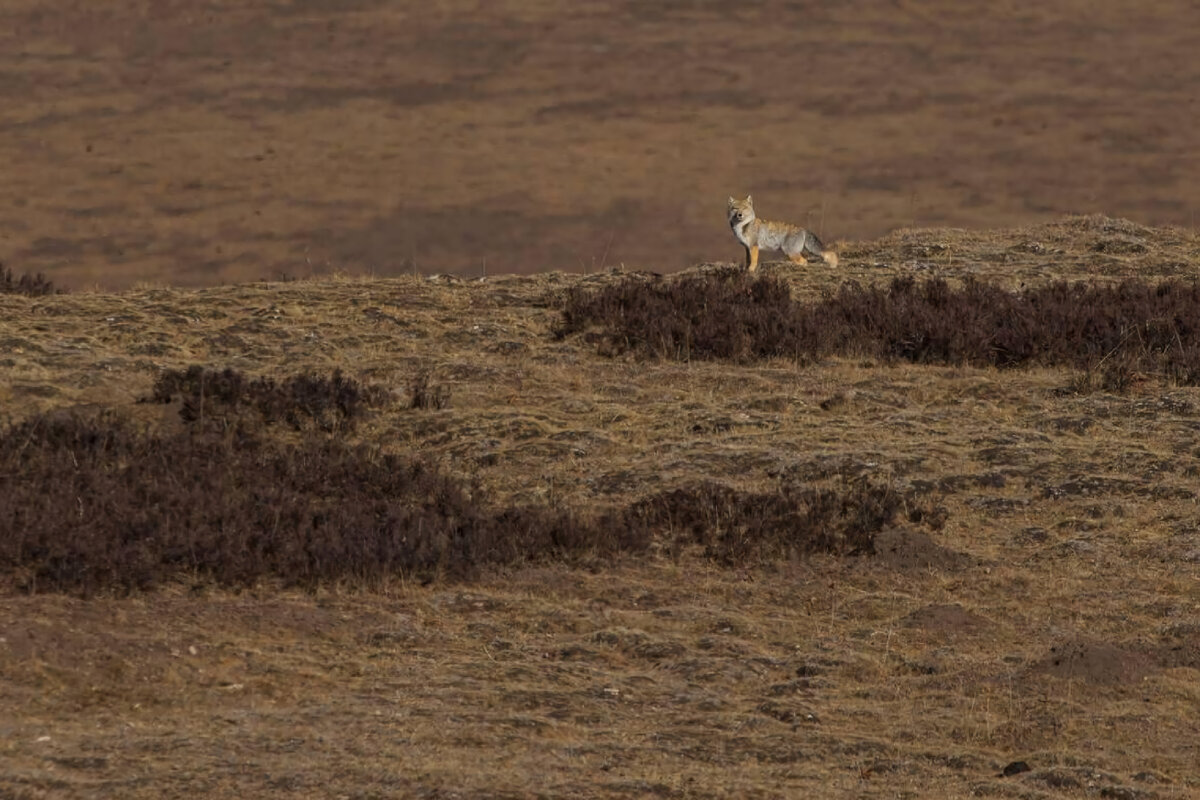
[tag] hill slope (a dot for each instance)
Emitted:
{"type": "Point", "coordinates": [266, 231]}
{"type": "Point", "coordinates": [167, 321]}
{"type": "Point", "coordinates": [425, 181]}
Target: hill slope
{"type": "Point", "coordinates": [1053, 619]}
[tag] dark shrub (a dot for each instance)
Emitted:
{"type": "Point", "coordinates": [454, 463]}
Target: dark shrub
{"type": "Point", "coordinates": [224, 397]}
{"type": "Point", "coordinates": [1122, 330]}
{"type": "Point", "coordinates": [31, 285]}
{"type": "Point", "coordinates": [726, 315]}
{"type": "Point", "coordinates": [97, 504]}
{"type": "Point", "coordinates": [93, 504]}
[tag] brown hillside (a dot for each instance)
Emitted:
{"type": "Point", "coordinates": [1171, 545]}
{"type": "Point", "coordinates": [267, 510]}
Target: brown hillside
{"type": "Point", "coordinates": [1052, 619]}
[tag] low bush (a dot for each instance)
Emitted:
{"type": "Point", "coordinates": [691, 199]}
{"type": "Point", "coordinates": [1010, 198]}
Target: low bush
{"type": "Point", "coordinates": [227, 396]}
{"type": "Point", "coordinates": [94, 504]}
{"type": "Point", "coordinates": [726, 315]}
{"type": "Point", "coordinates": [97, 504]}
{"type": "Point", "coordinates": [1118, 329]}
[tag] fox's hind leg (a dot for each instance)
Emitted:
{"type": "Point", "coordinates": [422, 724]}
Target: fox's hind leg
{"type": "Point", "coordinates": [795, 251]}
{"type": "Point", "coordinates": [793, 247]}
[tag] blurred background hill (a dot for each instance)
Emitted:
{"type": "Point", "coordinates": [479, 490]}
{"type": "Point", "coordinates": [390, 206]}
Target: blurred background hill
{"type": "Point", "coordinates": [194, 143]}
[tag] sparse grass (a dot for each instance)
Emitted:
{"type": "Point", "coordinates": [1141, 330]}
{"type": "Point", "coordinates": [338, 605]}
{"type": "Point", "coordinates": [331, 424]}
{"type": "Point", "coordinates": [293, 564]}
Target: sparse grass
{"type": "Point", "coordinates": [737, 527]}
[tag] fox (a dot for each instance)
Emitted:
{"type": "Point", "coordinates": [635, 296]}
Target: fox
{"type": "Point", "coordinates": [754, 233]}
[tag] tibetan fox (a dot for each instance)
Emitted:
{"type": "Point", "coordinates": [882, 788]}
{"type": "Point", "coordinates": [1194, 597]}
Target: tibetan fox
{"type": "Point", "coordinates": [754, 233]}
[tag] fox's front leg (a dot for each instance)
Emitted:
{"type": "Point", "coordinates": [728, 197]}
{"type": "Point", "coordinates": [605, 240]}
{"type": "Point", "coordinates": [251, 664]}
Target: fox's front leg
{"type": "Point", "coordinates": [751, 258]}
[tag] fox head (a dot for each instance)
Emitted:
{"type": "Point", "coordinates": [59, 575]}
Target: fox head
{"type": "Point", "coordinates": [741, 212]}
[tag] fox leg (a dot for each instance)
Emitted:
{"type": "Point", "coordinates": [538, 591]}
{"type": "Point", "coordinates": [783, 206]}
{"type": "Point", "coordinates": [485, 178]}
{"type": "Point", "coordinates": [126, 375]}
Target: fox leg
{"type": "Point", "coordinates": [797, 258]}
{"type": "Point", "coordinates": [752, 258]}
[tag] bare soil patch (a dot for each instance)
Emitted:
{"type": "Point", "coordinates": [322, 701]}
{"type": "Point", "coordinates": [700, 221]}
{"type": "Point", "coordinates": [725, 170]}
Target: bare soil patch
{"type": "Point", "coordinates": [950, 618]}
{"type": "Point", "coordinates": [1096, 662]}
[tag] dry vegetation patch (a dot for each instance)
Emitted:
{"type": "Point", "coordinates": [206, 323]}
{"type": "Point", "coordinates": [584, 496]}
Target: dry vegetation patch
{"type": "Point", "coordinates": [330, 404]}
{"type": "Point", "coordinates": [739, 527]}
{"type": "Point", "coordinates": [93, 504]}
{"type": "Point", "coordinates": [29, 285]}
{"type": "Point", "coordinates": [1120, 330]}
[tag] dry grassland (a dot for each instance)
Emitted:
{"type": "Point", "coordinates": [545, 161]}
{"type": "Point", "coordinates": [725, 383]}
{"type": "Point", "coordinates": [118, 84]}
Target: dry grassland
{"type": "Point", "coordinates": [1054, 619]}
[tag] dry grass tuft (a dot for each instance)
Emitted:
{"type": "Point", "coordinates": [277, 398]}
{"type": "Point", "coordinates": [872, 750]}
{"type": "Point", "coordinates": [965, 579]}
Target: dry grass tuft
{"type": "Point", "coordinates": [425, 394]}
{"type": "Point", "coordinates": [737, 527]}
{"type": "Point", "coordinates": [29, 285]}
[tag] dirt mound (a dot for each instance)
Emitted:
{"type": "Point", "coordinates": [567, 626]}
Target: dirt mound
{"type": "Point", "coordinates": [902, 548]}
{"type": "Point", "coordinates": [949, 618]}
{"type": "Point", "coordinates": [1095, 662]}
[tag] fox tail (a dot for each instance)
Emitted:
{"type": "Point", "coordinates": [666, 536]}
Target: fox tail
{"type": "Point", "coordinates": [813, 245]}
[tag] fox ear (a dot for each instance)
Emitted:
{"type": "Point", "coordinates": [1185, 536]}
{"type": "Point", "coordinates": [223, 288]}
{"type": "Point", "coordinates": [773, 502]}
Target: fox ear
{"type": "Point", "coordinates": [749, 200]}
{"type": "Point", "coordinates": [732, 202]}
